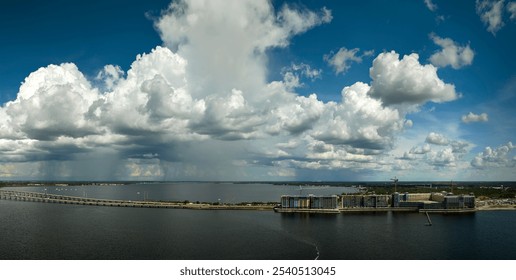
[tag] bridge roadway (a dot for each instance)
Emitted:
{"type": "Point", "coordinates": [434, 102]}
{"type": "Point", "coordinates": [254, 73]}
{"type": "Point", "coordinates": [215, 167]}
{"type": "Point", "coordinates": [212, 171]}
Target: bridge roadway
{"type": "Point", "coordinates": [63, 199]}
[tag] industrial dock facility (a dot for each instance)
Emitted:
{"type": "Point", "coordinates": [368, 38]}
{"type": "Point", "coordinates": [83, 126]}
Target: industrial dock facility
{"type": "Point", "coordinates": [423, 202]}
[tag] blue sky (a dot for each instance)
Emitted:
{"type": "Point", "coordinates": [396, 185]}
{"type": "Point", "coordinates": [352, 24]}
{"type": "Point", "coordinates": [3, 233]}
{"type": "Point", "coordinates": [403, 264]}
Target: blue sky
{"type": "Point", "coordinates": [258, 90]}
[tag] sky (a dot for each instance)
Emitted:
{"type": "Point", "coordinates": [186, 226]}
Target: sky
{"type": "Point", "coordinates": [251, 90]}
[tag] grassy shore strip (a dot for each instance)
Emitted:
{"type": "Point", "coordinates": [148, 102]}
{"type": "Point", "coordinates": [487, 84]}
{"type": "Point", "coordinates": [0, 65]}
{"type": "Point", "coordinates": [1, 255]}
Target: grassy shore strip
{"type": "Point", "coordinates": [448, 211]}
{"type": "Point", "coordinates": [228, 207]}
{"type": "Point", "coordinates": [382, 209]}
{"type": "Point", "coordinates": [497, 208]}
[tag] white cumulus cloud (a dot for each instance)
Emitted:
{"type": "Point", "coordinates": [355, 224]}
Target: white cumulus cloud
{"type": "Point", "coordinates": [490, 13]}
{"type": "Point", "coordinates": [306, 70]}
{"type": "Point", "coordinates": [52, 102]}
{"type": "Point", "coordinates": [208, 37]}
{"type": "Point", "coordinates": [292, 75]}
{"type": "Point", "coordinates": [437, 139]}
{"type": "Point", "coordinates": [447, 155]}
{"type": "Point", "coordinates": [451, 54]}
{"type": "Point", "coordinates": [420, 150]}
{"type": "Point", "coordinates": [406, 81]}
{"type": "Point", "coordinates": [511, 8]}
{"type": "Point", "coordinates": [110, 75]}
{"type": "Point", "coordinates": [471, 117]}
{"type": "Point", "coordinates": [498, 157]}
{"type": "Point", "coordinates": [359, 121]}
{"type": "Point", "coordinates": [430, 5]}
{"type": "Point", "coordinates": [341, 61]}
{"type": "Point", "coordinates": [442, 158]}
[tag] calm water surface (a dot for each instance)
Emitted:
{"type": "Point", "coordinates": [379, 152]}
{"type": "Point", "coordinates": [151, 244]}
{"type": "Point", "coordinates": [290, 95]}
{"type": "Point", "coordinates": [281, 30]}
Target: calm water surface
{"type": "Point", "coordinates": [54, 231]}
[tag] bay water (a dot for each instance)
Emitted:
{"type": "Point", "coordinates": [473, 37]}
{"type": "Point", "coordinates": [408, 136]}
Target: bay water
{"type": "Point", "coordinates": [32, 230]}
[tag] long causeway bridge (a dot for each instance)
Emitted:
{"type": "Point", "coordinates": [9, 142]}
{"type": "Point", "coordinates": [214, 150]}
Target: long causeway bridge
{"type": "Point", "coordinates": [63, 199]}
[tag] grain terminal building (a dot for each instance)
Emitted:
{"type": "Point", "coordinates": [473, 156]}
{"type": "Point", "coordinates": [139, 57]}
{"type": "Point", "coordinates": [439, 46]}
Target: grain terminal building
{"type": "Point", "coordinates": [362, 201]}
{"type": "Point", "coordinates": [310, 202]}
{"type": "Point", "coordinates": [436, 202]}
{"type": "Point", "coordinates": [429, 201]}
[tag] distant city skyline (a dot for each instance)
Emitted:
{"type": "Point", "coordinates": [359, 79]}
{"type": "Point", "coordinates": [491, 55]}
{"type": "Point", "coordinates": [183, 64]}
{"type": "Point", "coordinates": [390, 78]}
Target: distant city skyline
{"type": "Point", "coordinates": [258, 90]}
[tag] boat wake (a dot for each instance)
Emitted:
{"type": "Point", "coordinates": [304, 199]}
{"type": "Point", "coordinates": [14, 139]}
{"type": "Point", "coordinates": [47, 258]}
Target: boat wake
{"type": "Point", "coordinates": [305, 241]}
